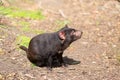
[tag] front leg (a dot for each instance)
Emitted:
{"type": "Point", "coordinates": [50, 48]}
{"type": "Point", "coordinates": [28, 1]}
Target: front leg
{"type": "Point", "coordinates": [61, 61]}
{"type": "Point", "coordinates": [49, 63]}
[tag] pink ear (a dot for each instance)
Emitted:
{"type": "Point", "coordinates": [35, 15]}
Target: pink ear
{"type": "Point", "coordinates": [62, 35]}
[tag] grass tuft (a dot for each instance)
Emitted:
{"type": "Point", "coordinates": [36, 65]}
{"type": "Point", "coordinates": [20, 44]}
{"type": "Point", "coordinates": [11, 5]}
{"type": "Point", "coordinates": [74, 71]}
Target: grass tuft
{"type": "Point", "coordinates": [20, 13]}
{"type": "Point", "coordinates": [33, 65]}
{"type": "Point", "coordinates": [61, 23]}
{"type": "Point", "coordinates": [23, 40]}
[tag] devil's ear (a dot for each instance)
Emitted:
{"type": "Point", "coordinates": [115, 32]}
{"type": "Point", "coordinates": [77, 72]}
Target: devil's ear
{"type": "Point", "coordinates": [66, 26]}
{"type": "Point", "coordinates": [62, 35]}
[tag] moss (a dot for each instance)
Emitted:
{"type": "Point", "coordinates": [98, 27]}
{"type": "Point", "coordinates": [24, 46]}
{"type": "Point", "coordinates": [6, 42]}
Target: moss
{"type": "Point", "coordinates": [20, 13]}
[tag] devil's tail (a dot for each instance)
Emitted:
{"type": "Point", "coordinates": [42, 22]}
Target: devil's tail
{"type": "Point", "coordinates": [24, 48]}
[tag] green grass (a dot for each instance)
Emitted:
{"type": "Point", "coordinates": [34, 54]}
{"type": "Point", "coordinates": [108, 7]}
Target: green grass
{"type": "Point", "coordinates": [23, 40]}
{"type": "Point", "coordinates": [25, 26]}
{"type": "Point", "coordinates": [118, 57]}
{"type": "Point", "coordinates": [20, 13]}
{"type": "Point", "coordinates": [117, 52]}
{"type": "Point", "coordinates": [33, 65]}
{"type": "Point", "coordinates": [38, 31]}
{"type": "Point", "coordinates": [61, 23]}
{"type": "Point", "coordinates": [3, 26]}
{"type": "Point", "coordinates": [1, 3]}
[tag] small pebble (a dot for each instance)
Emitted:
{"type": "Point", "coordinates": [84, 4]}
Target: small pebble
{"type": "Point", "coordinates": [93, 62]}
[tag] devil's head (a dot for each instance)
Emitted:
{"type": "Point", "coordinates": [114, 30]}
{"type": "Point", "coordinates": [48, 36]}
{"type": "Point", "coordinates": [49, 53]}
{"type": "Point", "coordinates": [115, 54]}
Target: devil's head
{"type": "Point", "coordinates": [69, 34]}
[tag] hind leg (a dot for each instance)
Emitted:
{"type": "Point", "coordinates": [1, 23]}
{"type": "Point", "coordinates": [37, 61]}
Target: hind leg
{"type": "Point", "coordinates": [40, 64]}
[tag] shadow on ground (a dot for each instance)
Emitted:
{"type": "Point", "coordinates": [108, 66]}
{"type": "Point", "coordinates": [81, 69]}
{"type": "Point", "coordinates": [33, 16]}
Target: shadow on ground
{"type": "Point", "coordinates": [68, 61]}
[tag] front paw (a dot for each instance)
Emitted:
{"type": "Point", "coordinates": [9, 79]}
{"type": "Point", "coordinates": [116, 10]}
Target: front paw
{"type": "Point", "coordinates": [64, 65]}
{"type": "Point", "coordinates": [49, 68]}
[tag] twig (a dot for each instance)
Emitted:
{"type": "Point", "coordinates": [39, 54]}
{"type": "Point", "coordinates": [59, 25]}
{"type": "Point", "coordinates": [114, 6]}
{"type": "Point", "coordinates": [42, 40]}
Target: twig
{"type": "Point", "coordinates": [62, 14]}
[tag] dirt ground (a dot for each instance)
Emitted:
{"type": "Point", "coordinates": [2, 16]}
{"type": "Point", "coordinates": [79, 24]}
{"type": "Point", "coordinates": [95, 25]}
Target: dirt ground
{"type": "Point", "coordinates": [93, 57]}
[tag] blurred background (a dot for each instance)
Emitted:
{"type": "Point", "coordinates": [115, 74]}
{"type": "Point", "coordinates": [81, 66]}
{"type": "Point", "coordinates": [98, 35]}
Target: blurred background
{"type": "Point", "coordinates": [98, 50]}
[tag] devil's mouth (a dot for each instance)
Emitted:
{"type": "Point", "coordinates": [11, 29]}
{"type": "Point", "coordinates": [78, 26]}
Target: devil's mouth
{"type": "Point", "coordinates": [78, 35]}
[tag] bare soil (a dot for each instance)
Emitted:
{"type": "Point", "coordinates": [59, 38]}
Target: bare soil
{"type": "Point", "coordinates": [93, 57]}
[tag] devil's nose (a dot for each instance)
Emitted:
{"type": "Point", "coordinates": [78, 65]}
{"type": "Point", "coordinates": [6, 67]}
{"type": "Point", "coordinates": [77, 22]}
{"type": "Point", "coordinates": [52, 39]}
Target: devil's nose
{"type": "Point", "coordinates": [81, 32]}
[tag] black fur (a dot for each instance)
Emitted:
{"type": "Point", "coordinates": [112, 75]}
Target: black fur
{"type": "Point", "coordinates": [45, 48]}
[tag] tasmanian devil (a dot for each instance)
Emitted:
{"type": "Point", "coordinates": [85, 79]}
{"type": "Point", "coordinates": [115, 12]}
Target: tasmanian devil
{"type": "Point", "coordinates": [45, 48]}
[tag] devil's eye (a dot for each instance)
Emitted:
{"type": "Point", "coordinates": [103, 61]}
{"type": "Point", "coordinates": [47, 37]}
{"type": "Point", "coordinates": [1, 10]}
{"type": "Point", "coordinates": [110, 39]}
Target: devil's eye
{"type": "Point", "coordinates": [72, 32]}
